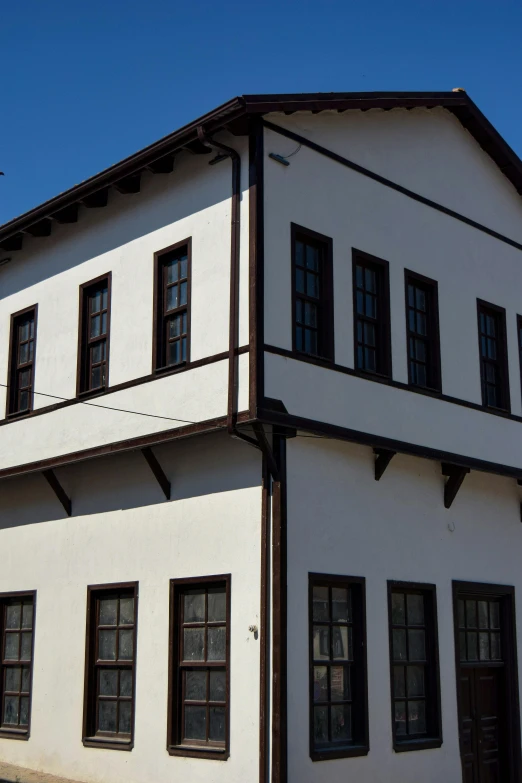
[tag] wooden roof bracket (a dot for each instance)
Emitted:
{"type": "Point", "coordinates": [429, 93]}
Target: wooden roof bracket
{"type": "Point", "coordinates": [58, 490]}
{"type": "Point", "coordinates": [383, 457]}
{"type": "Point", "coordinates": [456, 475]}
{"type": "Point", "coordinates": [157, 470]}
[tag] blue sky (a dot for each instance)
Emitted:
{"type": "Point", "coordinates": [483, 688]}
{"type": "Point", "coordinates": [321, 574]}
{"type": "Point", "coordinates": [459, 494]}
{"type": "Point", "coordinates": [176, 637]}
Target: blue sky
{"type": "Point", "coordinates": [84, 84]}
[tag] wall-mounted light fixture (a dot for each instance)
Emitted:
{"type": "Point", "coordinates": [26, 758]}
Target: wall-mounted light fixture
{"type": "Point", "coordinates": [283, 159]}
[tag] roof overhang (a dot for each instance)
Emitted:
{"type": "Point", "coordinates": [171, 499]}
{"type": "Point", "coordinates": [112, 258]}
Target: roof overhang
{"type": "Point", "coordinates": [235, 116]}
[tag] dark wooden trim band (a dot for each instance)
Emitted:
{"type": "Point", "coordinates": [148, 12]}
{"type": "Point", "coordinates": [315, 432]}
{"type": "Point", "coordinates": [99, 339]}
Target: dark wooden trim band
{"type": "Point", "coordinates": [256, 266]}
{"type": "Point", "coordinates": [336, 432]}
{"type": "Point", "coordinates": [264, 640]}
{"type": "Point", "coordinates": [390, 382]}
{"type": "Point", "coordinates": [217, 357]}
{"type": "Point", "coordinates": [131, 444]}
{"type": "Point", "coordinates": [50, 476]}
{"type": "Point", "coordinates": [388, 183]}
{"type": "Point", "coordinates": [157, 471]}
{"type": "Point", "coordinates": [279, 618]}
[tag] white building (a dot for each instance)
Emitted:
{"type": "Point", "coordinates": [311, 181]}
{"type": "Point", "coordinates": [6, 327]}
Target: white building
{"type": "Point", "coordinates": [259, 513]}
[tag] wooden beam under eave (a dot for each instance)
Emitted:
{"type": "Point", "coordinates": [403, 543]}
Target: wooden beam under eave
{"type": "Point", "coordinates": [197, 148]}
{"type": "Point", "coordinates": [129, 184]}
{"type": "Point", "coordinates": [58, 490]}
{"type": "Point", "coordinates": [157, 470]}
{"type": "Point", "coordinates": [456, 475]}
{"type": "Point", "coordinates": [383, 457]}
{"type": "Point", "coordinates": [164, 165]}
{"type": "Point", "coordinates": [40, 229]}
{"type": "Point", "coordinates": [12, 243]}
{"type": "Point", "coordinates": [97, 200]}
{"type": "Point", "coordinates": [66, 215]}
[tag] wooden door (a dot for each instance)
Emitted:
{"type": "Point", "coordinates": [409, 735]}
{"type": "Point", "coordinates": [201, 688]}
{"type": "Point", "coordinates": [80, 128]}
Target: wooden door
{"type": "Point", "coordinates": [482, 722]}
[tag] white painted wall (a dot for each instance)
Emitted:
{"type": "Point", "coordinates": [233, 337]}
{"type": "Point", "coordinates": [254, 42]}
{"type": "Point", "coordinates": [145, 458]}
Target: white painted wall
{"type": "Point", "coordinates": [358, 212]}
{"type": "Point", "coordinates": [341, 521]}
{"type": "Point", "coordinates": [192, 201]}
{"type": "Point", "coordinates": [123, 530]}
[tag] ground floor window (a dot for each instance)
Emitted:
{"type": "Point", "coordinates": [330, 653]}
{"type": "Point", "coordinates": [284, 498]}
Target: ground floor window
{"type": "Point", "coordinates": [16, 669]}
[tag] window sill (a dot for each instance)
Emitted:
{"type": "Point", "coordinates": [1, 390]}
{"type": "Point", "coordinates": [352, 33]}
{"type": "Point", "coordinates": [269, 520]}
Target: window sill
{"type": "Point", "coordinates": [199, 752]}
{"type": "Point", "coordinates": [171, 368]}
{"type": "Point", "coordinates": [92, 392]}
{"type": "Point", "coordinates": [18, 414]}
{"type": "Point", "coordinates": [347, 752]}
{"type": "Point", "coordinates": [420, 744]}
{"type": "Point", "coordinates": [107, 743]}
{"type": "Point", "coordinates": [16, 734]}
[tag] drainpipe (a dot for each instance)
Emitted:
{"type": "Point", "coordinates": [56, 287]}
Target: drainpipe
{"type": "Point", "coordinates": [233, 384]}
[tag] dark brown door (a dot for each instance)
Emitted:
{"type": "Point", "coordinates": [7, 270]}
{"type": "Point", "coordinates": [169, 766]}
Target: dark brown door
{"type": "Point", "coordinates": [484, 636]}
{"type": "Point", "coordinates": [481, 723]}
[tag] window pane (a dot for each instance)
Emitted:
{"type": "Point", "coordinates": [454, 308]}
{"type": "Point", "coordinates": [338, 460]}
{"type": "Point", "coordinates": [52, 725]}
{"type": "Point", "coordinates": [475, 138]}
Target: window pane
{"type": "Point", "coordinates": [369, 280]}
{"type": "Point", "coordinates": [320, 603]}
{"type": "Point", "coordinates": [96, 353]}
{"type": "Point", "coordinates": [415, 680]}
{"type": "Point", "coordinates": [216, 731]}
{"type": "Point", "coordinates": [174, 326]}
{"type": "Point", "coordinates": [310, 314]}
{"type": "Point", "coordinates": [321, 643]}
{"type": "Point", "coordinates": [462, 645]}
{"type": "Point", "coordinates": [399, 688]}
{"type": "Point", "coordinates": [96, 377]}
{"type": "Point", "coordinates": [104, 323]}
{"type": "Point", "coordinates": [127, 611]}
{"type": "Point", "coordinates": [461, 614]}
{"type": "Point", "coordinates": [12, 646]}
{"type": "Point", "coordinates": [400, 718]}
{"type": "Point", "coordinates": [125, 717]}
{"type": "Point", "coordinates": [371, 306]}
{"type": "Point", "coordinates": [320, 683]}
{"type": "Point", "coordinates": [172, 271]}
{"type": "Point", "coordinates": [95, 326]}
{"type": "Point", "coordinates": [415, 605]}
{"type": "Point", "coordinates": [26, 679]}
{"type": "Point", "coordinates": [193, 644]}
{"type": "Point", "coordinates": [196, 723]}
{"type": "Point", "coordinates": [471, 614]}
{"type": "Point", "coordinates": [398, 610]}
{"type": "Point", "coordinates": [173, 353]}
{"type": "Point", "coordinates": [108, 682]}
{"type": "Point", "coordinates": [312, 258]}
{"type": "Point", "coordinates": [320, 725]}
{"type": "Point", "coordinates": [107, 646]}
{"type": "Point", "coordinates": [183, 267]}
{"type": "Point", "coordinates": [341, 715]}
{"type": "Point", "coordinates": [24, 401]}
{"type": "Point", "coordinates": [194, 607]}
{"type": "Point", "coordinates": [25, 653]}
{"type": "Point", "coordinates": [312, 285]}
{"type": "Point", "coordinates": [125, 682]}
{"type": "Point", "coordinates": [484, 646]}
{"type": "Point", "coordinates": [299, 253]}
{"type": "Point", "coordinates": [299, 280]}
{"type": "Point", "coordinates": [420, 299]}
{"type": "Point", "coordinates": [108, 611]}
{"type": "Point", "coordinates": [24, 711]}
{"type": "Point", "coordinates": [13, 616]}
{"type": "Point", "coordinates": [11, 710]}
{"type": "Point", "coordinates": [399, 645]}
{"type": "Point", "coordinates": [126, 648]}
{"type": "Point", "coordinates": [339, 683]}
{"type": "Point", "coordinates": [417, 648]}
{"type": "Point", "coordinates": [495, 647]}
{"type": "Point", "coordinates": [172, 297]}
{"type": "Point", "coordinates": [13, 678]}
{"type": "Point", "coordinates": [340, 604]}
{"type": "Point", "coordinates": [196, 685]}
{"type": "Point", "coordinates": [217, 605]}
{"type": "Point", "coordinates": [107, 715]}
{"type": "Point", "coordinates": [416, 717]}
{"type": "Point", "coordinates": [342, 642]}
{"type": "Point", "coordinates": [24, 330]}
{"type": "Point", "coordinates": [472, 646]}
{"type": "Point", "coordinates": [218, 683]}
{"type": "Point", "coordinates": [23, 354]}
{"type": "Point", "coordinates": [183, 294]}
{"type": "Point", "coordinates": [216, 644]}
{"type": "Point", "coordinates": [494, 614]}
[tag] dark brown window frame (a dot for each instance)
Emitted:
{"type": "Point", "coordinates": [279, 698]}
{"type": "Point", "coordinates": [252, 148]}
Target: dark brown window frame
{"type": "Point", "coordinates": [82, 389]}
{"type": "Point", "coordinates": [434, 713]}
{"type": "Point", "coordinates": [12, 371]}
{"type": "Point", "coordinates": [7, 733]}
{"type": "Point", "coordinates": [360, 747]}
{"type": "Point", "coordinates": [506, 594]}
{"type": "Point", "coordinates": [433, 362]}
{"type": "Point", "coordinates": [177, 589]}
{"type": "Point", "coordinates": [159, 316]}
{"type": "Point", "coordinates": [500, 314]}
{"type": "Point", "coordinates": [519, 344]}
{"type": "Point", "coordinates": [89, 738]}
{"type": "Point", "coordinates": [326, 339]}
{"type": "Point", "coordinates": [384, 355]}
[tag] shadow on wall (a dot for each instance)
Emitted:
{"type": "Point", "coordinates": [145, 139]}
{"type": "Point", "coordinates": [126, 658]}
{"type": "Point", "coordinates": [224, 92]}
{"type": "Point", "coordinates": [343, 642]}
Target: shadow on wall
{"type": "Point", "coordinates": [163, 200]}
{"type": "Point", "coordinates": [205, 465]}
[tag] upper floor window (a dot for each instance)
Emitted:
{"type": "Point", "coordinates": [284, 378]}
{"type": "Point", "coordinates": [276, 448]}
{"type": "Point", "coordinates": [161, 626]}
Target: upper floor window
{"type": "Point", "coordinates": [199, 703]}
{"type": "Point", "coordinates": [371, 306]}
{"type": "Point", "coordinates": [414, 666]}
{"type": "Point", "coordinates": [95, 302]}
{"type": "Point", "coordinates": [422, 328]}
{"type": "Point", "coordinates": [172, 306]}
{"type": "Point", "coordinates": [493, 356]}
{"type": "Point", "coordinates": [111, 655]}
{"type": "Point", "coordinates": [312, 293]}
{"type": "Point", "coordinates": [16, 663]}
{"type": "Point", "coordinates": [21, 362]}
{"type": "Point", "coordinates": [338, 695]}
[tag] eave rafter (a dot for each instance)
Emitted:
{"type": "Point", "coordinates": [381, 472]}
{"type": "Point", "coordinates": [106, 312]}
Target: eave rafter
{"type": "Point", "coordinates": [50, 476]}
{"type": "Point", "coordinates": [157, 470]}
{"type": "Point", "coordinates": [455, 476]}
{"type": "Point", "coordinates": [383, 457]}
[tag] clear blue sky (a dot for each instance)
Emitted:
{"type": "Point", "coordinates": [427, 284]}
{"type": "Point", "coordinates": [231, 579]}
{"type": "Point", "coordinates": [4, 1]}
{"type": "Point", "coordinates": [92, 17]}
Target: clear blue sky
{"type": "Point", "coordinates": [84, 84]}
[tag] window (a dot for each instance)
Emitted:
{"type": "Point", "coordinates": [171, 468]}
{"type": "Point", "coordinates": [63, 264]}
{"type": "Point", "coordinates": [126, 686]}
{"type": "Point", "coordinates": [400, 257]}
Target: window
{"type": "Point", "coordinates": [338, 689]}
{"type": "Point", "coordinates": [479, 630]}
{"type": "Point", "coordinates": [198, 719]}
{"type": "Point", "coordinates": [312, 288]}
{"type": "Point", "coordinates": [21, 362]}
{"type": "Point", "coordinates": [493, 356]}
{"type": "Point", "coordinates": [16, 670]}
{"type": "Point", "coordinates": [95, 316]}
{"type": "Point", "coordinates": [422, 329]}
{"type": "Point", "coordinates": [172, 306]}
{"type": "Point", "coordinates": [371, 306]}
{"type": "Point", "coordinates": [414, 666]}
{"type": "Point", "coordinates": [110, 666]}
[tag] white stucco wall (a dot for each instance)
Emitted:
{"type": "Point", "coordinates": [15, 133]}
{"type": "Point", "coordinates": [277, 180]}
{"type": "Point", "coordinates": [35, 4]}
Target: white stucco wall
{"type": "Point", "coordinates": [194, 201]}
{"type": "Point", "coordinates": [341, 521]}
{"type": "Point", "coordinates": [123, 530]}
